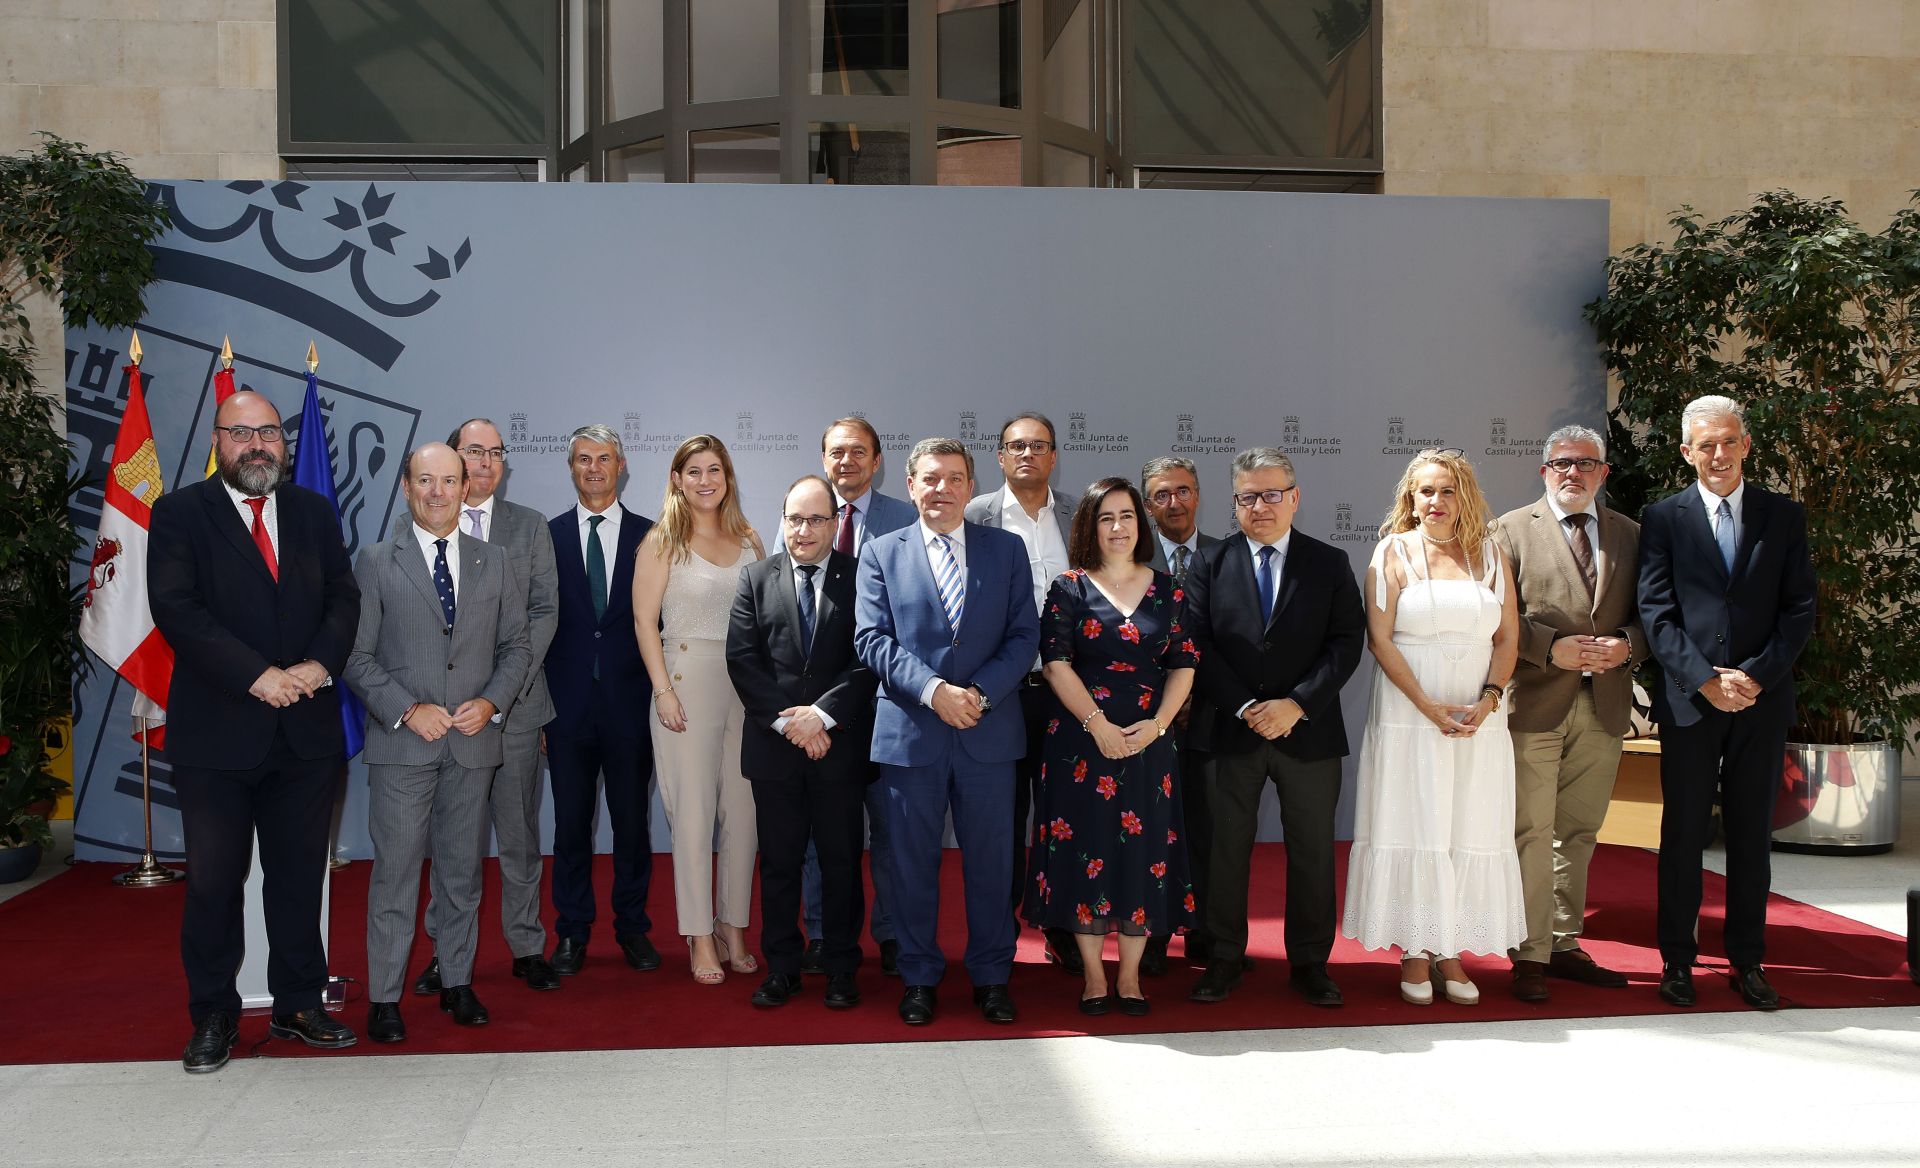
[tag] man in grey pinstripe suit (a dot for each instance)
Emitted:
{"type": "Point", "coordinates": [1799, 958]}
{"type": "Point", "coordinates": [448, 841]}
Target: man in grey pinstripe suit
{"type": "Point", "coordinates": [440, 654]}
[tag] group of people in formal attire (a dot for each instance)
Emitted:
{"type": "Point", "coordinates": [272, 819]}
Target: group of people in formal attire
{"type": "Point", "coordinates": [1092, 693]}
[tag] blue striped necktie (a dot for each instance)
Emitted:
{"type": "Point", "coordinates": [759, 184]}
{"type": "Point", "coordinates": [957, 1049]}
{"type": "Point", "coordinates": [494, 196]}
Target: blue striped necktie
{"type": "Point", "coordinates": [953, 589]}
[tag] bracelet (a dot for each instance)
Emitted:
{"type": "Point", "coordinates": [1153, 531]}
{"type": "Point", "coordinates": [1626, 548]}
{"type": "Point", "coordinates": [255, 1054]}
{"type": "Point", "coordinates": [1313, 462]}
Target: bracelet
{"type": "Point", "coordinates": [1088, 720]}
{"type": "Point", "coordinates": [660, 693]}
{"type": "Point", "coordinates": [1493, 691]}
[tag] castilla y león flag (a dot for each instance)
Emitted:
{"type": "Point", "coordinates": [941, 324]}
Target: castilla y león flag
{"type": "Point", "coordinates": [117, 623]}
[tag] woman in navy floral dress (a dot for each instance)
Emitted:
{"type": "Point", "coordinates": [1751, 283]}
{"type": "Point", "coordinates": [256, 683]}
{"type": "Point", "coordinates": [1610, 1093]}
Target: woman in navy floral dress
{"type": "Point", "coordinates": [1108, 856]}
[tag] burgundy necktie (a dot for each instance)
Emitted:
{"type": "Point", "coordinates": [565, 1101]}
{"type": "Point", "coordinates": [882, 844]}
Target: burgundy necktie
{"type": "Point", "coordinates": [843, 540]}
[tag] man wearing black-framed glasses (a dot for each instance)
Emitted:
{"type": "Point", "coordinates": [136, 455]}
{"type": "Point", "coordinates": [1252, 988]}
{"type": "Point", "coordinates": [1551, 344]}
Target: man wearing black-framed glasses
{"type": "Point", "coordinates": [1278, 620]}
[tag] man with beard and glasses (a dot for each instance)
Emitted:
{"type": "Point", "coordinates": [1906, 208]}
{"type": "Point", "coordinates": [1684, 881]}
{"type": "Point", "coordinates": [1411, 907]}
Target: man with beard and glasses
{"type": "Point", "coordinates": [250, 584]}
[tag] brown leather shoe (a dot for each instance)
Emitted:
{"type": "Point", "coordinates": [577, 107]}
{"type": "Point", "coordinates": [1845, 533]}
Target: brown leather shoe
{"type": "Point", "coordinates": [1579, 965]}
{"type": "Point", "coordinates": [1529, 981]}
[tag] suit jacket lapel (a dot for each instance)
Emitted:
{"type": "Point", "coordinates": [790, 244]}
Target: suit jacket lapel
{"type": "Point", "coordinates": [620, 572]}
{"type": "Point", "coordinates": [1697, 525]}
{"type": "Point", "coordinates": [1753, 514]}
{"type": "Point", "coordinates": [407, 554]}
{"type": "Point", "coordinates": [567, 561]}
{"type": "Point", "coordinates": [227, 521]}
{"type": "Point", "coordinates": [786, 599]}
{"type": "Point", "coordinates": [1547, 530]}
{"type": "Point", "coordinates": [827, 609]}
{"type": "Point", "coordinates": [1289, 581]}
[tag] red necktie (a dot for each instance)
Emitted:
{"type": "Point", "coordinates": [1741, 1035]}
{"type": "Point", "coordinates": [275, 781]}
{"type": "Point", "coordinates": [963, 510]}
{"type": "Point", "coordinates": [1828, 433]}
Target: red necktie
{"type": "Point", "coordinates": [261, 539]}
{"type": "Point", "coordinates": [843, 540]}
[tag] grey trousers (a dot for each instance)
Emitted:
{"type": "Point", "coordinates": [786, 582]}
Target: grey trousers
{"type": "Point", "coordinates": [444, 805]}
{"type": "Point", "coordinates": [515, 810]}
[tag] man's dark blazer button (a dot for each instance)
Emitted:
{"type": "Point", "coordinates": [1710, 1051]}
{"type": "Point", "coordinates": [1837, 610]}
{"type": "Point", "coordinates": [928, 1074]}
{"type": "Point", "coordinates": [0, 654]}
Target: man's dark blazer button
{"type": "Point", "coordinates": [449, 667]}
{"type": "Point", "coordinates": [596, 634]}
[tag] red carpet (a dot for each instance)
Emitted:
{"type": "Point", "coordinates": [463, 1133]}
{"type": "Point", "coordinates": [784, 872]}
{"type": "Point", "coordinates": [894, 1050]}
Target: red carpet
{"type": "Point", "coordinates": [90, 972]}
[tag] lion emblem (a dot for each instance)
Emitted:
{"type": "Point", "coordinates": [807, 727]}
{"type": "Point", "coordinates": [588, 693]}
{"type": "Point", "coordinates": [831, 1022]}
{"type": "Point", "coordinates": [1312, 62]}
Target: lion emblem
{"type": "Point", "coordinates": [105, 552]}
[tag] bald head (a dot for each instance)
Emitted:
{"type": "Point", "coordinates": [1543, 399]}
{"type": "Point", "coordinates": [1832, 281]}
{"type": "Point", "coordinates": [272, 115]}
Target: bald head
{"type": "Point", "coordinates": [436, 482]}
{"type": "Point", "coordinates": [249, 448]}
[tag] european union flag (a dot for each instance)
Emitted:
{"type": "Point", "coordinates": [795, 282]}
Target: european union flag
{"type": "Point", "coordinates": [313, 469]}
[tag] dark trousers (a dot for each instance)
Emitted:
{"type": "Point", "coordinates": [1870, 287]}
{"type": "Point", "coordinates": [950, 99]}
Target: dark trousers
{"type": "Point", "coordinates": [1739, 758]}
{"type": "Point", "coordinates": [1193, 772]}
{"type": "Point", "coordinates": [288, 801]}
{"type": "Point", "coordinates": [1309, 792]}
{"type": "Point", "coordinates": [613, 742]}
{"type": "Point", "coordinates": [1037, 704]}
{"type": "Point", "coordinates": [918, 799]}
{"type": "Point", "coordinates": [829, 805]}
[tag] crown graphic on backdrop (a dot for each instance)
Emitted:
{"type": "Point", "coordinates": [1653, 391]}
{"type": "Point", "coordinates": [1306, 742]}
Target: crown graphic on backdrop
{"type": "Point", "coordinates": [391, 275]}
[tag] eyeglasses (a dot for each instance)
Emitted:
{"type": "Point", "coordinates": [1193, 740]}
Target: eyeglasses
{"type": "Point", "coordinates": [1162, 498]}
{"type": "Point", "coordinates": [1563, 465]}
{"type": "Point", "coordinates": [247, 433]}
{"type": "Point", "coordinates": [1270, 498]}
{"type": "Point", "coordinates": [812, 522]}
{"type": "Point", "coordinates": [1451, 452]}
{"type": "Point", "coordinates": [484, 453]}
{"type": "Point", "coordinates": [1022, 446]}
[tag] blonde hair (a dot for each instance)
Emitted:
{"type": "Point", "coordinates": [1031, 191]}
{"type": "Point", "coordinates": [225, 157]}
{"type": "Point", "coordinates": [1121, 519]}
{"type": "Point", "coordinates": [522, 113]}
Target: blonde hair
{"type": "Point", "coordinates": [1474, 528]}
{"type": "Point", "coordinates": [675, 527]}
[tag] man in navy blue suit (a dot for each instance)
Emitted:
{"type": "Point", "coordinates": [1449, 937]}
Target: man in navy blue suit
{"type": "Point", "coordinates": [1727, 600]}
{"type": "Point", "coordinates": [945, 620]}
{"type": "Point", "coordinates": [600, 695]}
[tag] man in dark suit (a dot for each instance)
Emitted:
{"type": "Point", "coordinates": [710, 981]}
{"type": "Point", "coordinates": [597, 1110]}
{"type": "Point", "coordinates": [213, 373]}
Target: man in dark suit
{"type": "Point", "coordinates": [945, 620]}
{"type": "Point", "coordinates": [1171, 487]}
{"type": "Point", "coordinates": [809, 720]}
{"type": "Point", "coordinates": [600, 698]}
{"type": "Point", "coordinates": [1029, 507]}
{"type": "Point", "coordinates": [250, 584]}
{"type": "Point", "coordinates": [850, 454]}
{"type": "Point", "coordinates": [514, 807]}
{"type": "Point", "coordinates": [1278, 620]}
{"type": "Point", "coordinates": [440, 653]}
{"type": "Point", "coordinates": [1727, 597]}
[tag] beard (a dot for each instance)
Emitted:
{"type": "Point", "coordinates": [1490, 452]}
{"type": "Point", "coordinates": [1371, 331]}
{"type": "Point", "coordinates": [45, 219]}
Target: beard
{"type": "Point", "coordinates": [255, 473]}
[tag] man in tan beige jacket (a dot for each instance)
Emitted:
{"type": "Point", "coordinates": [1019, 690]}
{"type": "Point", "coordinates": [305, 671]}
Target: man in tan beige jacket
{"type": "Point", "coordinates": [1575, 565]}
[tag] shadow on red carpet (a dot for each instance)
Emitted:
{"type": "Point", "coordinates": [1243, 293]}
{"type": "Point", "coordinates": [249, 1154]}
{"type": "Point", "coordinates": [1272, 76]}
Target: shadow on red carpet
{"type": "Point", "coordinates": [90, 971]}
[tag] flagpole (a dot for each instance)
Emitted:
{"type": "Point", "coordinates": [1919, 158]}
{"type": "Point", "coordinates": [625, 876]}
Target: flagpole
{"type": "Point", "coordinates": [148, 873]}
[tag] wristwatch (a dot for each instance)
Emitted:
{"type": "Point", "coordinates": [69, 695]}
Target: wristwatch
{"type": "Point", "coordinates": [1494, 692]}
{"type": "Point", "coordinates": [986, 703]}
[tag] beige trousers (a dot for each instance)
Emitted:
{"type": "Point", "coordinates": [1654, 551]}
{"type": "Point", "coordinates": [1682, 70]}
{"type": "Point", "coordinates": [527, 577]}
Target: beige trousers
{"type": "Point", "coordinates": [709, 804]}
{"type": "Point", "coordinates": [1563, 780]}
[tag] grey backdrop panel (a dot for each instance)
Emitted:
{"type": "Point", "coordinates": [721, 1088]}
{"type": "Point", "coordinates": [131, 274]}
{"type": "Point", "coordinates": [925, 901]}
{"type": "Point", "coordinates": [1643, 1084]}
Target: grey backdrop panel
{"type": "Point", "coordinates": [1350, 330]}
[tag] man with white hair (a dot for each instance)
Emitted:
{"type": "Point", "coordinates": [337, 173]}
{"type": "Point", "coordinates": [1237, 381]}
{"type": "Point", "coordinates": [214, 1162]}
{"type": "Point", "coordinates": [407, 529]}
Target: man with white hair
{"type": "Point", "coordinates": [1575, 568]}
{"type": "Point", "coordinates": [1727, 599]}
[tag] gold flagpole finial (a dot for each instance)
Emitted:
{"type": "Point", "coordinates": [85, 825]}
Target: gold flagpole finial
{"type": "Point", "coordinates": [133, 350]}
{"type": "Point", "coordinates": [226, 352]}
{"type": "Point", "coordinates": [313, 358]}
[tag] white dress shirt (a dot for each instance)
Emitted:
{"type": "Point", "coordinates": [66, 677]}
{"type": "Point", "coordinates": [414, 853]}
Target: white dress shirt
{"type": "Point", "coordinates": [798, 582]}
{"type": "Point", "coordinates": [1191, 543]}
{"type": "Point", "coordinates": [269, 515]}
{"type": "Point", "coordinates": [485, 507]}
{"type": "Point", "coordinates": [609, 535]}
{"type": "Point", "coordinates": [1046, 549]}
{"type": "Point", "coordinates": [859, 505]}
{"type": "Point", "coordinates": [1712, 503]}
{"type": "Point", "coordinates": [428, 553]}
{"type": "Point", "coordinates": [1279, 547]}
{"type": "Point", "coordinates": [935, 560]}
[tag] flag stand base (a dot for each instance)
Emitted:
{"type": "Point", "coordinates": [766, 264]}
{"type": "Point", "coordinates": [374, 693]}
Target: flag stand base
{"type": "Point", "coordinates": [148, 873]}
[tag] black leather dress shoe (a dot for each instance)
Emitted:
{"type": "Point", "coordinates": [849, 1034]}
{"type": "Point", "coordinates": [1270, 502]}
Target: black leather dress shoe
{"type": "Point", "coordinates": [568, 956]}
{"type": "Point", "coordinates": [776, 990]}
{"type": "Point", "coordinates": [1062, 951]}
{"type": "Point", "coordinates": [312, 1027]}
{"type": "Point", "coordinates": [1221, 978]}
{"type": "Point", "coordinates": [890, 958]}
{"type": "Point", "coordinates": [211, 1044]}
{"type": "Point", "coordinates": [1198, 949]}
{"type": "Point", "coordinates": [640, 952]}
{"type": "Point", "coordinates": [813, 959]}
{"type": "Point", "coordinates": [536, 971]}
{"type": "Point", "coordinates": [916, 1005]}
{"type": "Point", "coordinates": [1153, 962]}
{"type": "Point", "coordinates": [996, 1004]}
{"type": "Point", "coordinates": [843, 993]}
{"type": "Point", "coordinates": [1095, 1007]}
{"type": "Point", "coordinates": [1312, 983]}
{"type": "Point", "coordinates": [429, 980]}
{"type": "Point", "coordinates": [463, 1005]}
{"type": "Point", "coordinates": [1133, 1007]}
{"type": "Point", "coordinates": [1676, 985]}
{"type": "Point", "coordinates": [1754, 988]}
{"type": "Point", "coordinates": [384, 1024]}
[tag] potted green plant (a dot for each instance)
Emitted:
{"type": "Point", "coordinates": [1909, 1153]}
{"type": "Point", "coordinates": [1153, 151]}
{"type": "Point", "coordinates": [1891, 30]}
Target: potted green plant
{"type": "Point", "coordinates": [74, 226]}
{"type": "Point", "coordinates": [1813, 323]}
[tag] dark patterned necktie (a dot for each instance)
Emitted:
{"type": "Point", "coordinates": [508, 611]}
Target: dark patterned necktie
{"type": "Point", "coordinates": [1180, 564]}
{"type": "Point", "coordinates": [805, 596]}
{"type": "Point", "coordinates": [1583, 551]}
{"type": "Point", "coordinates": [443, 579]}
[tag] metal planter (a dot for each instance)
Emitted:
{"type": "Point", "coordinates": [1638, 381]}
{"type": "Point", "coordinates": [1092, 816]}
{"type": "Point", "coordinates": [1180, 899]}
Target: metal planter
{"type": "Point", "coordinates": [1838, 799]}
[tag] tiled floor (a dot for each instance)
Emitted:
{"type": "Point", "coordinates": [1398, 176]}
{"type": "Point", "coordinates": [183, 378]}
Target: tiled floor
{"type": "Point", "coordinates": [1797, 1089]}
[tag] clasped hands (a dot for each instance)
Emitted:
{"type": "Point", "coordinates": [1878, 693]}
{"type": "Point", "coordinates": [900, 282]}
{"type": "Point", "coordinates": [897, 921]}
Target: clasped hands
{"type": "Point", "coordinates": [958, 708]}
{"type": "Point", "coordinates": [1589, 654]}
{"type": "Point", "coordinates": [281, 688]}
{"type": "Point", "coordinates": [1122, 741]}
{"type": "Point", "coordinates": [432, 722]}
{"type": "Point", "coordinates": [1730, 690]}
{"type": "Point", "coordinates": [1274, 718]}
{"type": "Point", "coordinates": [1458, 721]}
{"type": "Point", "coordinates": [806, 731]}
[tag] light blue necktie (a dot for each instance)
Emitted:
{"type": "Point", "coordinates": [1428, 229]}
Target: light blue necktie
{"type": "Point", "coordinates": [1723, 533]}
{"type": "Point", "coordinates": [953, 589]}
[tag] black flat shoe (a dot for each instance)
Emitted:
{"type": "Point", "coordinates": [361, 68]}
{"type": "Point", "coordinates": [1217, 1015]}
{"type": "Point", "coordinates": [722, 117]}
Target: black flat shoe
{"type": "Point", "coordinates": [211, 1044]}
{"type": "Point", "coordinates": [466, 1009]}
{"type": "Point", "coordinates": [776, 990]}
{"type": "Point", "coordinates": [1676, 985]}
{"type": "Point", "coordinates": [842, 992]}
{"type": "Point", "coordinates": [996, 1004]}
{"type": "Point", "coordinates": [312, 1027]}
{"type": "Point", "coordinates": [568, 956]}
{"type": "Point", "coordinates": [1134, 1007]}
{"type": "Point", "coordinates": [1754, 988]}
{"type": "Point", "coordinates": [1094, 1007]}
{"type": "Point", "coordinates": [536, 971]}
{"type": "Point", "coordinates": [639, 951]}
{"type": "Point", "coordinates": [429, 980]}
{"type": "Point", "coordinates": [917, 1005]}
{"type": "Point", "coordinates": [384, 1024]}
